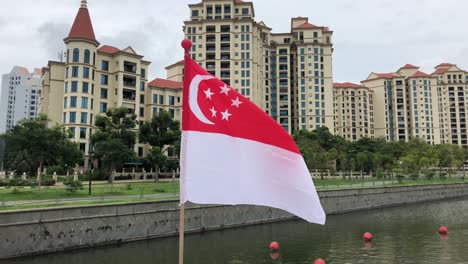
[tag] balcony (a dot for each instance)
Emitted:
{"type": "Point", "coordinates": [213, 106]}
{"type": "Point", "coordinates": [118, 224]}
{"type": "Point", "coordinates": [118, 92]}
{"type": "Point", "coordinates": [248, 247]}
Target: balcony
{"type": "Point", "coordinates": [128, 95]}
{"type": "Point", "coordinates": [129, 81]}
{"type": "Point", "coordinates": [225, 29]}
{"type": "Point", "coordinates": [210, 48]}
{"type": "Point", "coordinates": [130, 67]}
{"type": "Point", "coordinates": [225, 74]}
{"type": "Point", "coordinates": [225, 56]}
{"type": "Point", "coordinates": [211, 56]}
{"type": "Point", "coordinates": [225, 65]}
{"type": "Point", "coordinates": [210, 29]}
{"type": "Point", "coordinates": [225, 47]}
{"type": "Point", "coordinates": [210, 65]}
{"type": "Point", "coordinates": [210, 38]}
{"type": "Point", "coordinates": [225, 38]}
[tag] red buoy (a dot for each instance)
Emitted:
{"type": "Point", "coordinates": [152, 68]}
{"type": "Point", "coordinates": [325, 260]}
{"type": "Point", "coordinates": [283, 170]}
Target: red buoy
{"type": "Point", "coordinates": [319, 261]}
{"type": "Point", "coordinates": [443, 230]}
{"type": "Point", "coordinates": [274, 246]}
{"type": "Point", "coordinates": [367, 236]}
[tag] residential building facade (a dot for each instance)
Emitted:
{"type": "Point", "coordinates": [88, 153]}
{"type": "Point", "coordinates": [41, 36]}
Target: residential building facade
{"type": "Point", "coordinates": [19, 96]}
{"type": "Point", "coordinates": [405, 105]}
{"type": "Point", "coordinates": [452, 94]}
{"type": "Point", "coordinates": [289, 75]}
{"type": "Point", "coordinates": [92, 79]}
{"type": "Point", "coordinates": [354, 111]}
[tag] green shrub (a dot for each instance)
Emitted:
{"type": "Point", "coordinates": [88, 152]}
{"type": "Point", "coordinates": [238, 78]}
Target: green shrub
{"type": "Point", "coordinates": [443, 176]}
{"type": "Point", "coordinates": [414, 176]}
{"type": "Point", "coordinates": [18, 182]}
{"type": "Point", "coordinates": [430, 175]}
{"type": "Point", "coordinates": [129, 186]}
{"type": "Point", "coordinates": [73, 186]}
{"type": "Point", "coordinates": [48, 182]}
{"type": "Point", "coordinates": [57, 169]}
{"type": "Point", "coordinates": [3, 183]}
{"type": "Point", "coordinates": [400, 178]}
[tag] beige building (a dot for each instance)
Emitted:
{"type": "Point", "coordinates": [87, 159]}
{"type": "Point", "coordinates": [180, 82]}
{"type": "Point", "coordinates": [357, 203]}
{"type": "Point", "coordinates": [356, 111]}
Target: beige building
{"type": "Point", "coordinates": [452, 87]}
{"type": "Point", "coordinates": [354, 111]}
{"type": "Point", "coordinates": [289, 75]}
{"type": "Point", "coordinates": [405, 105]}
{"type": "Point", "coordinates": [164, 95]}
{"type": "Point", "coordinates": [93, 79]}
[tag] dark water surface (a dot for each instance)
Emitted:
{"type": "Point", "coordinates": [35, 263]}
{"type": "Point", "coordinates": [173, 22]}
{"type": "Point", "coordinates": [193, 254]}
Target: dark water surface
{"type": "Point", "coordinates": [401, 235]}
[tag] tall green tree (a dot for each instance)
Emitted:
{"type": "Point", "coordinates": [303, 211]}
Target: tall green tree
{"type": "Point", "coordinates": [32, 144]}
{"type": "Point", "coordinates": [163, 134]}
{"type": "Point", "coordinates": [115, 138]}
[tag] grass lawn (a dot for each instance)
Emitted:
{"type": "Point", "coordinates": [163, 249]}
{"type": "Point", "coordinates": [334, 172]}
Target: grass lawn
{"type": "Point", "coordinates": [98, 190]}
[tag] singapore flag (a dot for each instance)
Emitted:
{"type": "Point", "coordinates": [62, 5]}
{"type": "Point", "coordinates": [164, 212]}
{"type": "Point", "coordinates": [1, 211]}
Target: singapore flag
{"type": "Point", "coordinates": [234, 153]}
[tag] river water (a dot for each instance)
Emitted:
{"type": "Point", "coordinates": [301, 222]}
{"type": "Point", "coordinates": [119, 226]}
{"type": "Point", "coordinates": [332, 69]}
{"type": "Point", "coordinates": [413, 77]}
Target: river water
{"type": "Point", "coordinates": [405, 234]}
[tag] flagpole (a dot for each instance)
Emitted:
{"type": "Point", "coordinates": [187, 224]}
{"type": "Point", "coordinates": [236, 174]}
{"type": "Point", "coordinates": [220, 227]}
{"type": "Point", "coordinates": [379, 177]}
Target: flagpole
{"type": "Point", "coordinates": [181, 233]}
{"type": "Point", "coordinates": [187, 45]}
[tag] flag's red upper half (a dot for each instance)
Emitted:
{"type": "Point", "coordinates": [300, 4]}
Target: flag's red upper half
{"type": "Point", "coordinates": [211, 106]}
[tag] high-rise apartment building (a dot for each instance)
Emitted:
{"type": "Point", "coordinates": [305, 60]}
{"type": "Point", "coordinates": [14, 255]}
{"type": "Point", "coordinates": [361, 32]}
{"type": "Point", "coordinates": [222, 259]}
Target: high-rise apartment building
{"type": "Point", "coordinates": [19, 96]}
{"type": "Point", "coordinates": [354, 111]}
{"type": "Point", "coordinates": [452, 94]}
{"type": "Point", "coordinates": [405, 105]}
{"type": "Point", "coordinates": [289, 75]}
{"type": "Point", "coordinates": [93, 79]}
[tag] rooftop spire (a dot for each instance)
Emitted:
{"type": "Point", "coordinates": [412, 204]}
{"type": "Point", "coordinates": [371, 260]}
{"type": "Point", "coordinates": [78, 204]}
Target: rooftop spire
{"type": "Point", "coordinates": [82, 26]}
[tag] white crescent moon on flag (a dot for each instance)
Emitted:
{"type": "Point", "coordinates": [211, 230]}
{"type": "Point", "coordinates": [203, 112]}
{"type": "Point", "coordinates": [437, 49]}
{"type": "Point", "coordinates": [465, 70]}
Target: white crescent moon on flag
{"type": "Point", "coordinates": [193, 98]}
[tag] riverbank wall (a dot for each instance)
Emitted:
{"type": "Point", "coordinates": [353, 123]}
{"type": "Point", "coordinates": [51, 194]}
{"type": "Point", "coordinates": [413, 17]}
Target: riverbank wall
{"type": "Point", "coordinates": [41, 231]}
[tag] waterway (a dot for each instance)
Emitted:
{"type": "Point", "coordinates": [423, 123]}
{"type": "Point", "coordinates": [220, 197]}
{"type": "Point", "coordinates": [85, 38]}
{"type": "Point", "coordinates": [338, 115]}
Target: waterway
{"type": "Point", "coordinates": [405, 234]}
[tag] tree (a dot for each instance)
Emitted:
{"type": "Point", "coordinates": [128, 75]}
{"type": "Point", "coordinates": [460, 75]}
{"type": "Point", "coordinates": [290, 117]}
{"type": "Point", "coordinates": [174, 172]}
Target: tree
{"type": "Point", "coordinates": [32, 144]}
{"type": "Point", "coordinates": [163, 134]}
{"type": "Point", "coordinates": [418, 156]}
{"type": "Point", "coordinates": [114, 139]}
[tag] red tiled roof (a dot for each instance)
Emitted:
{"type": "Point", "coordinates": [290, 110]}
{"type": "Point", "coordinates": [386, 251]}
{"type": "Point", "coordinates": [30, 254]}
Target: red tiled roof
{"type": "Point", "coordinates": [440, 71]}
{"type": "Point", "coordinates": [37, 71]}
{"type": "Point", "coordinates": [420, 74]}
{"type": "Point", "coordinates": [82, 27]}
{"type": "Point", "coordinates": [163, 83]}
{"type": "Point", "coordinates": [347, 85]}
{"type": "Point", "coordinates": [23, 70]}
{"type": "Point", "coordinates": [307, 25]}
{"type": "Point", "coordinates": [108, 49]}
{"type": "Point", "coordinates": [409, 66]}
{"type": "Point", "coordinates": [326, 29]}
{"type": "Point", "coordinates": [445, 65]}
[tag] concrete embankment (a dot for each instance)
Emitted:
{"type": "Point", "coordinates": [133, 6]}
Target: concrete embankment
{"type": "Point", "coordinates": [50, 230]}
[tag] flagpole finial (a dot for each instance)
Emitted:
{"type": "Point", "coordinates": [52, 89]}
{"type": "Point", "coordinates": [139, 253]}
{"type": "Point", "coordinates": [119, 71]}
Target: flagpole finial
{"type": "Point", "coordinates": [84, 4]}
{"type": "Point", "coordinates": [187, 45]}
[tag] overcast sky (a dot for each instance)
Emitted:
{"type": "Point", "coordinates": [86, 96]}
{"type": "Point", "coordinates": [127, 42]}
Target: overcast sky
{"type": "Point", "coordinates": [369, 35]}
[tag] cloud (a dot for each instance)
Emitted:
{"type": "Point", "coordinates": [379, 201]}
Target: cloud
{"type": "Point", "coordinates": [51, 37]}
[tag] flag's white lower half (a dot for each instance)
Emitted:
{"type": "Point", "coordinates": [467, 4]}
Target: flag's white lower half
{"type": "Point", "coordinates": [219, 169]}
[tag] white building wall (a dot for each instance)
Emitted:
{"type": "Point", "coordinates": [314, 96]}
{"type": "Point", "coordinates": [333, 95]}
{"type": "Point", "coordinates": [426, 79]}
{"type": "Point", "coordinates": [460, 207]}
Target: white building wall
{"type": "Point", "coordinates": [19, 97]}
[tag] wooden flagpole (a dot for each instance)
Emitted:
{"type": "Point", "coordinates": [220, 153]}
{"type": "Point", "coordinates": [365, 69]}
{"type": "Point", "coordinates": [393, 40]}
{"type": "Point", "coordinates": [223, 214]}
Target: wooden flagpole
{"type": "Point", "coordinates": [181, 233]}
{"type": "Point", "coordinates": [187, 45]}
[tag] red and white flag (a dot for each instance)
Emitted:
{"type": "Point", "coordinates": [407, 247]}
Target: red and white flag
{"type": "Point", "coordinates": [234, 153]}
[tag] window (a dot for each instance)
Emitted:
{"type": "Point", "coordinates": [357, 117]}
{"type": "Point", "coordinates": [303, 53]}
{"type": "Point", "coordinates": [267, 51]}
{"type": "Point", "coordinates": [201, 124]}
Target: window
{"type": "Point", "coordinates": [161, 99]}
{"type": "Point", "coordinates": [68, 56]}
{"type": "Point", "coordinates": [84, 118]}
{"type": "Point", "coordinates": [86, 72]}
{"type": "Point", "coordinates": [105, 65]}
{"type": "Point", "coordinates": [86, 56]}
{"type": "Point", "coordinates": [72, 117]}
{"type": "Point", "coordinates": [84, 102]}
{"type": "Point", "coordinates": [171, 100]}
{"type": "Point", "coordinates": [73, 102]}
{"type": "Point", "coordinates": [64, 118]}
{"type": "Point", "coordinates": [66, 87]}
{"type": "Point", "coordinates": [82, 132]}
{"type": "Point", "coordinates": [74, 87]}
{"type": "Point", "coordinates": [75, 71]}
{"type": "Point", "coordinates": [76, 55]}
{"type": "Point", "coordinates": [104, 79]}
{"type": "Point", "coordinates": [65, 103]}
{"type": "Point", "coordinates": [143, 73]}
{"type": "Point", "coordinates": [102, 107]}
{"type": "Point", "coordinates": [72, 132]}
{"type": "Point", "coordinates": [142, 86]}
{"type": "Point", "coordinates": [245, 11]}
{"type": "Point", "coordinates": [85, 87]}
{"type": "Point", "coordinates": [195, 13]}
{"type": "Point", "coordinates": [103, 93]}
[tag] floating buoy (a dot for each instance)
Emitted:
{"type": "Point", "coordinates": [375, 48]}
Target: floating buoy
{"type": "Point", "coordinates": [274, 255]}
{"type": "Point", "coordinates": [319, 261]}
{"type": "Point", "coordinates": [274, 246]}
{"type": "Point", "coordinates": [443, 230]}
{"type": "Point", "coordinates": [367, 236]}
